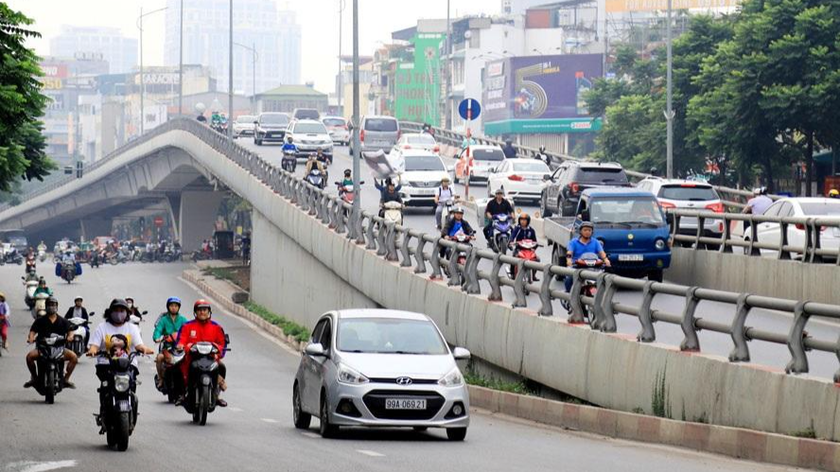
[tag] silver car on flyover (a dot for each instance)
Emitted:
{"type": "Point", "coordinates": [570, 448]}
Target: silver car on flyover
{"type": "Point", "coordinates": [380, 368]}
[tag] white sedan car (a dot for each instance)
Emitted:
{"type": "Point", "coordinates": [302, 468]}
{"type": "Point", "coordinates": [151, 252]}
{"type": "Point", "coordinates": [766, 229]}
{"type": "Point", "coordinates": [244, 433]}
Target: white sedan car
{"type": "Point", "coordinates": [421, 176]}
{"type": "Point", "coordinates": [521, 179]}
{"type": "Point", "coordinates": [815, 207]}
{"type": "Point", "coordinates": [418, 141]}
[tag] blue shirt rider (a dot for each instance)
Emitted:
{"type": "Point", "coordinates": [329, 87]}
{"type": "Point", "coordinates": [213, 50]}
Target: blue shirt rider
{"type": "Point", "coordinates": [289, 146]}
{"type": "Point", "coordinates": [581, 245]}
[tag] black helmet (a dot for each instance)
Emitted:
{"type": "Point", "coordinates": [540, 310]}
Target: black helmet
{"type": "Point", "coordinates": [525, 216]}
{"type": "Point", "coordinates": [347, 171]}
{"type": "Point", "coordinates": [118, 302]}
{"type": "Point", "coordinates": [587, 224]}
{"type": "Point", "coordinates": [51, 301]}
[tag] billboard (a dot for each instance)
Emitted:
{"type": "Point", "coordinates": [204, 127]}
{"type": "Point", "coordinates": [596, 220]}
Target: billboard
{"type": "Point", "coordinates": [622, 6]}
{"type": "Point", "coordinates": [417, 81]}
{"type": "Point", "coordinates": [540, 94]}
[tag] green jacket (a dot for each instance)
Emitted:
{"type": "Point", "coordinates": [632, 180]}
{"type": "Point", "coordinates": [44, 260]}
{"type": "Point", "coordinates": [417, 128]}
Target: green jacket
{"type": "Point", "coordinates": [40, 290]}
{"type": "Point", "coordinates": [165, 326]}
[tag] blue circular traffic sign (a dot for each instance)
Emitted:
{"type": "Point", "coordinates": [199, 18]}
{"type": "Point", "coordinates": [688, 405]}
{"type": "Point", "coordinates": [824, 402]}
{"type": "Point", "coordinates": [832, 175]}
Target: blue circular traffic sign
{"type": "Point", "coordinates": [469, 109]}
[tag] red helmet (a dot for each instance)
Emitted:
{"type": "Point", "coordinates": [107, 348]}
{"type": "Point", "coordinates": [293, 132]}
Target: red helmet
{"type": "Point", "coordinates": [202, 303]}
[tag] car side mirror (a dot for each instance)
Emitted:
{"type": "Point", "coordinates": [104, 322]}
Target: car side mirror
{"type": "Point", "coordinates": [461, 354]}
{"type": "Point", "coordinates": [315, 350]}
{"type": "Point", "coordinates": [584, 215]}
{"type": "Point", "coordinates": [256, 122]}
{"type": "Point", "coordinates": [547, 177]}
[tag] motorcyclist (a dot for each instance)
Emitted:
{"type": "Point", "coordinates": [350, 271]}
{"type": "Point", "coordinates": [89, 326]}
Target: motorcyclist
{"type": "Point", "coordinates": [443, 194]}
{"type": "Point", "coordinates": [509, 150]}
{"type": "Point", "coordinates": [133, 310]}
{"type": "Point", "coordinates": [42, 288]}
{"type": "Point", "coordinates": [455, 224]}
{"type": "Point", "coordinates": [834, 193]}
{"type": "Point", "coordinates": [313, 162]}
{"type": "Point", "coordinates": [759, 203]}
{"type": "Point", "coordinates": [543, 156]}
{"type": "Point", "coordinates": [348, 178]}
{"type": "Point", "coordinates": [166, 329]}
{"type": "Point", "coordinates": [581, 245]}
{"type": "Point", "coordinates": [289, 145]}
{"type": "Point", "coordinates": [389, 192]}
{"type": "Point", "coordinates": [202, 328]}
{"type": "Point", "coordinates": [45, 326]}
{"type": "Point", "coordinates": [245, 244]}
{"type": "Point", "coordinates": [521, 232]}
{"type": "Point", "coordinates": [78, 311]}
{"type": "Point", "coordinates": [323, 158]}
{"type": "Point", "coordinates": [42, 247]}
{"type": "Point", "coordinates": [497, 206]}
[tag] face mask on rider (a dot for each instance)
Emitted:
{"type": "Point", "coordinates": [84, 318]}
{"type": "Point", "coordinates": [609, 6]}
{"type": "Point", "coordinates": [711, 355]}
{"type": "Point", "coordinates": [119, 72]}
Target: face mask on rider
{"type": "Point", "coordinates": [52, 309]}
{"type": "Point", "coordinates": [118, 317]}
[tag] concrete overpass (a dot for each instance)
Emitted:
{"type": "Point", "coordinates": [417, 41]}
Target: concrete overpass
{"type": "Point", "coordinates": [303, 266]}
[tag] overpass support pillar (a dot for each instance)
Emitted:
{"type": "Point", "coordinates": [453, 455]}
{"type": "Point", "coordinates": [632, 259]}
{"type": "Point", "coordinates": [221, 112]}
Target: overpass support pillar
{"type": "Point", "coordinates": [174, 204]}
{"type": "Point", "coordinates": [93, 227]}
{"type": "Point", "coordinates": [196, 216]}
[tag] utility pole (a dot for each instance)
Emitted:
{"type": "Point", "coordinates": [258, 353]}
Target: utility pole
{"type": "Point", "coordinates": [447, 106]}
{"type": "Point", "coordinates": [181, 61]}
{"type": "Point", "coordinates": [341, 5]}
{"type": "Point", "coordinates": [254, 58]}
{"type": "Point", "coordinates": [139, 24]}
{"type": "Point", "coordinates": [357, 145]}
{"type": "Point", "coordinates": [669, 113]}
{"type": "Point", "coordinates": [230, 75]}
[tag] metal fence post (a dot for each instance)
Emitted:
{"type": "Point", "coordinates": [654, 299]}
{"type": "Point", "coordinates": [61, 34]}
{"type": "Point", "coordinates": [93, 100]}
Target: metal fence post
{"type": "Point", "coordinates": [817, 242]}
{"type": "Point", "coordinates": [471, 271]}
{"type": "Point", "coordinates": [391, 242]}
{"type": "Point", "coordinates": [434, 259]}
{"type": "Point", "coordinates": [647, 334]}
{"type": "Point", "coordinates": [754, 251]}
{"type": "Point", "coordinates": [576, 313]}
{"type": "Point", "coordinates": [689, 327]}
{"type": "Point", "coordinates": [701, 225]}
{"type": "Point", "coordinates": [419, 256]}
{"type": "Point", "coordinates": [495, 285]}
{"type": "Point", "coordinates": [338, 217]}
{"type": "Point", "coordinates": [380, 239]}
{"type": "Point", "coordinates": [598, 302]}
{"type": "Point", "coordinates": [405, 253]}
{"type": "Point", "coordinates": [359, 227]}
{"type": "Point", "coordinates": [741, 351]}
{"type": "Point", "coordinates": [784, 254]}
{"type": "Point", "coordinates": [608, 325]}
{"type": "Point", "coordinates": [371, 235]}
{"type": "Point", "coordinates": [520, 299]}
{"type": "Point", "coordinates": [454, 274]}
{"type": "Point", "coordinates": [546, 308]}
{"type": "Point", "coordinates": [796, 341]}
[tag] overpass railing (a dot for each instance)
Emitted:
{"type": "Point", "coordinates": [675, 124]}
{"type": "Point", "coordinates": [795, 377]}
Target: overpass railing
{"type": "Point", "coordinates": [747, 240]}
{"type": "Point", "coordinates": [412, 248]}
{"type": "Point", "coordinates": [732, 196]}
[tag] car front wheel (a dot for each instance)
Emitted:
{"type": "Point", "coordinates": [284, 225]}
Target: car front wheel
{"type": "Point", "coordinates": [326, 429]}
{"type": "Point", "coordinates": [301, 418]}
{"type": "Point", "coordinates": [544, 210]}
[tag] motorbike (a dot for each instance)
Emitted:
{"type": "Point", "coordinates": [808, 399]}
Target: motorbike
{"type": "Point", "coordinates": [173, 381]}
{"type": "Point", "coordinates": [68, 272]}
{"type": "Point", "coordinates": [289, 161]}
{"type": "Point", "coordinates": [80, 334]}
{"type": "Point", "coordinates": [525, 249]}
{"type": "Point", "coordinates": [202, 389]}
{"type": "Point", "coordinates": [447, 209]}
{"type": "Point", "coordinates": [95, 259]}
{"type": "Point", "coordinates": [31, 284]}
{"type": "Point", "coordinates": [347, 192]}
{"type": "Point", "coordinates": [392, 212]}
{"type": "Point", "coordinates": [42, 255]}
{"type": "Point", "coordinates": [39, 307]}
{"type": "Point", "coordinates": [461, 238]}
{"type": "Point", "coordinates": [117, 399]}
{"type": "Point", "coordinates": [201, 256]}
{"type": "Point", "coordinates": [30, 266]}
{"type": "Point", "coordinates": [316, 178]}
{"type": "Point", "coordinates": [14, 257]}
{"type": "Point", "coordinates": [137, 319]}
{"type": "Point", "coordinates": [117, 258]}
{"type": "Point", "coordinates": [588, 288]}
{"type": "Point", "coordinates": [50, 366]}
{"type": "Point", "coordinates": [501, 233]}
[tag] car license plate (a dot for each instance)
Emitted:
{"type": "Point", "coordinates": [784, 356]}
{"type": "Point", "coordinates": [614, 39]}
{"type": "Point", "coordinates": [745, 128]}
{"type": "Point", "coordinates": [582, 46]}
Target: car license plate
{"type": "Point", "coordinates": [631, 257]}
{"type": "Point", "coordinates": [404, 404]}
{"type": "Point", "coordinates": [380, 143]}
{"type": "Point", "coordinates": [424, 191]}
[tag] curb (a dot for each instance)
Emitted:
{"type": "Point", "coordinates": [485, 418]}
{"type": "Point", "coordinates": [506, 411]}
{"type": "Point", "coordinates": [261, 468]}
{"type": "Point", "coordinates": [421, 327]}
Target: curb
{"type": "Point", "coordinates": [739, 443]}
{"type": "Point", "coordinates": [225, 300]}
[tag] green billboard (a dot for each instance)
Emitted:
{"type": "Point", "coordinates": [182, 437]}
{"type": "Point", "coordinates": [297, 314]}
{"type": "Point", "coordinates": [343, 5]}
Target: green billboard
{"type": "Point", "coordinates": [418, 83]}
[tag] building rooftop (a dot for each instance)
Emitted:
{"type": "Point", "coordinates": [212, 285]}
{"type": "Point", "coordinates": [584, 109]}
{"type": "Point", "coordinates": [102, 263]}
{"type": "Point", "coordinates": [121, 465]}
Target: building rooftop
{"type": "Point", "coordinates": [292, 90]}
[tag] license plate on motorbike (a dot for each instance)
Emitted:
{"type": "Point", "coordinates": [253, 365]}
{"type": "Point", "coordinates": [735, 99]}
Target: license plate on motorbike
{"type": "Point", "coordinates": [404, 404]}
{"type": "Point", "coordinates": [631, 257]}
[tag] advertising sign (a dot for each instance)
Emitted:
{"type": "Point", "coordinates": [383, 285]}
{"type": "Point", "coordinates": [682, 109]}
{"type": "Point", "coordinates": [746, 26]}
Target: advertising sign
{"type": "Point", "coordinates": [540, 94]}
{"type": "Point", "coordinates": [418, 83]}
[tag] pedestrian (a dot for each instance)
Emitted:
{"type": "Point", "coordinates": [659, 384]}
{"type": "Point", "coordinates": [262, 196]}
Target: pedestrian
{"type": "Point", "coordinates": [5, 313]}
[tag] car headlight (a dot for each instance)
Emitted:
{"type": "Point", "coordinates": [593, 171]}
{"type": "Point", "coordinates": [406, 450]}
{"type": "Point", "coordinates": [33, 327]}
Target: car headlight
{"type": "Point", "coordinates": [452, 379]}
{"type": "Point", "coordinates": [660, 244]}
{"type": "Point", "coordinates": [350, 376]}
{"type": "Point", "coordinates": [121, 383]}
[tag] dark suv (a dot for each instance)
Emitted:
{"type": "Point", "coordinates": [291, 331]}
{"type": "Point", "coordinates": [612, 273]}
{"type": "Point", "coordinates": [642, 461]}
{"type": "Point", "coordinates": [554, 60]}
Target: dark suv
{"type": "Point", "coordinates": [563, 187]}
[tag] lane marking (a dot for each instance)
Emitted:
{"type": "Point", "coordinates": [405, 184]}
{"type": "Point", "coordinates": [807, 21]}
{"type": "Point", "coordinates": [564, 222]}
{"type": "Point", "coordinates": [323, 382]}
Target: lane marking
{"type": "Point", "coordinates": [31, 466]}
{"type": "Point", "coordinates": [311, 435]}
{"type": "Point", "coordinates": [236, 409]}
{"type": "Point", "coordinates": [369, 453]}
{"type": "Point", "coordinates": [269, 420]}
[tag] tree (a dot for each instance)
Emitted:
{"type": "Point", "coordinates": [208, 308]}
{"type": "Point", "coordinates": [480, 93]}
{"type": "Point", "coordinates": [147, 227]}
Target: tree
{"type": "Point", "coordinates": [21, 103]}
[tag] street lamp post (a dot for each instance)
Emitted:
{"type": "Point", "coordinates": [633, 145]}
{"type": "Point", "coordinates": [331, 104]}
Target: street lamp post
{"type": "Point", "coordinates": [341, 6]}
{"type": "Point", "coordinates": [447, 105]}
{"type": "Point", "coordinates": [357, 147]}
{"type": "Point", "coordinates": [139, 24]}
{"type": "Point", "coordinates": [230, 74]}
{"type": "Point", "coordinates": [669, 112]}
{"type": "Point", "coordinates": [181, 61]}
{"type": "Point", "coordinates": [254, 59]}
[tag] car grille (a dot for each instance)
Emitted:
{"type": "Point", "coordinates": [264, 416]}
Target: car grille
{"type": "Point", "coordinates": [375, 402]}
{"type": "Point", "coordinates": [424, 184]}
{"type": "Point", "coordinates": [388, 380]}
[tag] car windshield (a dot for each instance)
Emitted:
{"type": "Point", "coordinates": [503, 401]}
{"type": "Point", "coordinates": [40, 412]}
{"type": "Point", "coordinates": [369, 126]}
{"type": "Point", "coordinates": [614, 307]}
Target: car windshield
{"type": "Point", "coordinates": [306, 114]}
{"type": "Point", "coordinates": [538, 167]}
{"type": "Point", "coordinates": [310, 128]}
{"type": "Point", "coordinates": [418, 163]}
{"type": "Point", "coordinates": [246, 119]}
{"type": "Point", "coordinates": [688, 192]}
{"type": "Point", "coordinates": [389, 336]}
{"type": "Point", "coordinates": [826, 208]}
{"type": "Point", "coordinates": [599, 175]}
{"type": "Point", "coordinates": [380, 124]}
{"type": "Point", "coordinates": [17, 240]}
{"type": "Point", "coordinates": [626, 210]}
{"type": "Point", "coordinates": [333, 121]}
{"type": "Point", "coordinates": [488, 154]}
{"type": "Point", "coordinates": [274, 119]}
{"type": "Point", "coordinates": [420, 139]}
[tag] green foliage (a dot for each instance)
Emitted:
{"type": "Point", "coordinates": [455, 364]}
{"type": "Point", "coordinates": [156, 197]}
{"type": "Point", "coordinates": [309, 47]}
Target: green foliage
{"type": "Point", "coordinates": [493, 383]}
{"type": "Point", "coordinates": [290, 328]}
{"type": "Point", "coordinates": [661, 398]}
{"type": "Point", "coordinates": [808, 432]}
{"type": "Point", "coordinates": [21, 103]}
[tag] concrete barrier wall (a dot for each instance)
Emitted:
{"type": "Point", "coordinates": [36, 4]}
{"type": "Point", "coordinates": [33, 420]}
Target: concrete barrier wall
{"type": "Point", "coordinates": [609, 370]}
{"type": "Point", "coordinates": [759, 275]}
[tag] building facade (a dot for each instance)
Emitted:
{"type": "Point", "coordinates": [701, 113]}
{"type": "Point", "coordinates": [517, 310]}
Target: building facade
{"type": "Point", "coordinates": [120, 52]}
{"type": "Point", "coordinates": [258, 26]}
{"type": "Point", "coordinates": [286, 98]}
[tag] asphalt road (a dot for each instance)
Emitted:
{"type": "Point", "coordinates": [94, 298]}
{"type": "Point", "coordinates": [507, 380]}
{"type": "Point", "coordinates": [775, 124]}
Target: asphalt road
{"type": "Point", "coordinates": [255, 433]}
{"type": "Point", "coordinates": [821, 364]}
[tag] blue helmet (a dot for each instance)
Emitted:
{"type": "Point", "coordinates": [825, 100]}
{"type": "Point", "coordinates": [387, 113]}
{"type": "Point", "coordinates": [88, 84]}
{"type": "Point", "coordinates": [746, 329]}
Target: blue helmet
{"type": "Point", "coordinates": [172, 300]}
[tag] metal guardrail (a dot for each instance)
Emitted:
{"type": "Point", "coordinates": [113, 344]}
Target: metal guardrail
{"type": "Point", "coordinates": [408, 247]}
{"type": "Point", "coordinates": [810, 251]}
{"type": "Point", "coordinates": [734, 197]}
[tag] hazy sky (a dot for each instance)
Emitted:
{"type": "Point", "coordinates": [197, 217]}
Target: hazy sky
{"type": "Point", "coordinates": [318, 19]}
